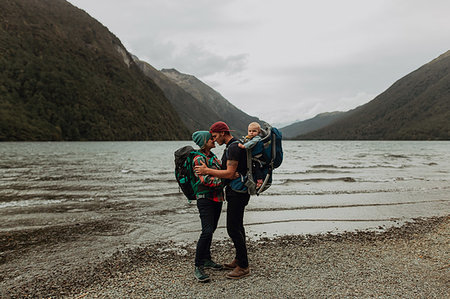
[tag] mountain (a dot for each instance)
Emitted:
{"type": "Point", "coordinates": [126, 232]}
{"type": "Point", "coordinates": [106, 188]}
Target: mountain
{"type": "Point", "coordinates": [66, 77]}
{"type": "Point", "coordinates": [208, 98]}
{"type": "Point", "coordinates": [416, 107]}
{"type": "Point", "coordinates": [194, 114]}
{"type": "Point", "coordinates": [317, 122]}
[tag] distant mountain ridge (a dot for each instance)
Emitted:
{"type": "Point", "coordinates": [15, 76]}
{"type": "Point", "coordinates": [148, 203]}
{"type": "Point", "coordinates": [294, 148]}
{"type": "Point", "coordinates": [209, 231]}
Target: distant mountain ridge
{"type": "Point", "coordinates": [195, 115]}
{"type": "Point", "coordinates": [317, 122]}
{"type": "Point", "coordinates": [416, 107]}
{"type": "Point", "coordinates": [66, 77]}
{"type": "Point", "coordinates": [210, 99]}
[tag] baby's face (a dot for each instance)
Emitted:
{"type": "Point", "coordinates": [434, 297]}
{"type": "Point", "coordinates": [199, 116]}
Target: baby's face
{"type": "Point", "coordinates": [253, 131]}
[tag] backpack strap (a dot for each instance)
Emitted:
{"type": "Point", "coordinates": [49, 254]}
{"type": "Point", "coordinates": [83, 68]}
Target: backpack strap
{"type": "Point", "coordinates": [250, 183]}
{"type": "Point", "coordinates": [239, 184]}
{"type": "Point", "coordinates": [274, 153]}
{"type": "Point", "coordinates": [228, 145]}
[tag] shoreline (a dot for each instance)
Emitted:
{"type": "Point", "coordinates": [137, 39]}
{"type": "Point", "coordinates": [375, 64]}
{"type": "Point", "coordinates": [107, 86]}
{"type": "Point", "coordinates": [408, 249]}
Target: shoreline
{"type": "Point", "coordinates": [406, 261]}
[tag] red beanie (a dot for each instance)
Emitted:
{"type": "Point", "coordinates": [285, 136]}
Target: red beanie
{"type": "Point", "coordinates": [218, 127]}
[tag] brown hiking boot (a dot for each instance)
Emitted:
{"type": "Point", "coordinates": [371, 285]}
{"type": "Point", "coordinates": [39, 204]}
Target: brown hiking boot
{"type": "Point", "coordinates": [238, 273]}
{"type": "Point", "coordinates": [231, 265]}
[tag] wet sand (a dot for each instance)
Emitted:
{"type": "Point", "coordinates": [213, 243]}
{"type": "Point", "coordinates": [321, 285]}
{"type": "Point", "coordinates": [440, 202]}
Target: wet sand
{"type": "Point", "coordinates": [90, 259]}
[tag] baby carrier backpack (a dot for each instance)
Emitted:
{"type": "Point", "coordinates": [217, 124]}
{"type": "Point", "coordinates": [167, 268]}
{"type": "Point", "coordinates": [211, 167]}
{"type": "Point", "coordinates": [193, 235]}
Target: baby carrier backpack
{"type": "Point", "coordinates": [267, 155]}
{"type": "Point", "coordinates": [184, 174]}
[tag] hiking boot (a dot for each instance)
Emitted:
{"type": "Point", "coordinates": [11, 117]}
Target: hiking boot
{"type": "Point", "coordinates": [200, 274]}
{"type": "Point", "coordinates": [209, 264]}
{"type": "Point", "coordinates": [238, 273]}
{"type": "Point", "coordinates": [231, 265]}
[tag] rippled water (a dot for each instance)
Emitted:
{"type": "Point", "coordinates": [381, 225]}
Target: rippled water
{"type": "Point", "coordinates": [321, 185]}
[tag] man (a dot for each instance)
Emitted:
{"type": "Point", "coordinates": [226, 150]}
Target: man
{"type": "Point", "coordinates": [234, 160]}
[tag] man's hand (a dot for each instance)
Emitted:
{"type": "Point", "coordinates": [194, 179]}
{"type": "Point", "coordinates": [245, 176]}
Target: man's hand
{"type": "Point", "coordinates": [229, 173]}
{"type": "Point", "coordinates": [201, 169]}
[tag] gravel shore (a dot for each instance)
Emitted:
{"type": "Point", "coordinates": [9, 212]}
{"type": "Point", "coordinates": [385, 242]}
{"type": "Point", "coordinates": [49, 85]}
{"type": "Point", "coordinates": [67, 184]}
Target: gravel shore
{"type": "Point", "coordinates": [411, 261]}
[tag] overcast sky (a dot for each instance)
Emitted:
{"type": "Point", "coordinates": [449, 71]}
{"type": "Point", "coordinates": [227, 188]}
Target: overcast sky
{"type": "Point", "coordinates": [283, 60]}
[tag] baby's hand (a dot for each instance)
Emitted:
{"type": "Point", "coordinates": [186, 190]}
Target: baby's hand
{"type": "Point", "coordinates": [259, 183]}
{"type": "Point", "coordinates": [241, 145]}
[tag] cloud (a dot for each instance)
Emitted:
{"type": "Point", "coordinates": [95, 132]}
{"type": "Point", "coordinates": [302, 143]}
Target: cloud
{"type": "Point", "coordinates": [283, 61]}
{"type": "Point", "coordinates": [202, 62]}
{"type": "Point", "coordinates": [186, 35]}
{"type": "Point", "coordinates": [192, 59]}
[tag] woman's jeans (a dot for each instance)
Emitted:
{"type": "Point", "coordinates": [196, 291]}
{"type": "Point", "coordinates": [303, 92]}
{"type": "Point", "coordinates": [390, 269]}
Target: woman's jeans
{"type": "Point", "coordinates": [209, 215]}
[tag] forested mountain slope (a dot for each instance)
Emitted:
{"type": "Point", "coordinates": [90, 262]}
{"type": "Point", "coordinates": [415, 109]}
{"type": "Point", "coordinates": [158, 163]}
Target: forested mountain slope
{"type": "Point", "coordinates": [64, 76]}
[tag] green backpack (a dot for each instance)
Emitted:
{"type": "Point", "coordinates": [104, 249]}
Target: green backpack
{"type": "Point", "coordinates": [184, 174]}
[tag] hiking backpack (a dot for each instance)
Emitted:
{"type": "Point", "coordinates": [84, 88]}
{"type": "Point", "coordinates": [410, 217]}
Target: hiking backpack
{"type": "Point", "coordinates": [184, 174]}
{"type": "Point", "coordinates": [267, 154]}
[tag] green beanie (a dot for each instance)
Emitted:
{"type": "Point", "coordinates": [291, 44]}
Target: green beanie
{"type": "Point", "coordinates": [201, 137]}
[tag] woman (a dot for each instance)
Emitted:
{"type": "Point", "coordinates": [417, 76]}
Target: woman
{"type": "Point", "coordinates": [209, 195]}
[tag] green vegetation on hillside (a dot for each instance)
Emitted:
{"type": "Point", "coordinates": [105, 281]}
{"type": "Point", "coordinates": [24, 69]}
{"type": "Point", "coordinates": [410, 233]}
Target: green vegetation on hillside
{"type": "Point", "coordinates": [63, 78]}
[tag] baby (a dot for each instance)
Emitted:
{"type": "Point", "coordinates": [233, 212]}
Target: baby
{"type": "Point", "coordinates": [254, 130]}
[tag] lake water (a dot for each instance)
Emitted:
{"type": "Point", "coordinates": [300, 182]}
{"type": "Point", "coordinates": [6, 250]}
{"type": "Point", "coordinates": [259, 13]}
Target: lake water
{"type": "Point", "coordinates": [322, 186]}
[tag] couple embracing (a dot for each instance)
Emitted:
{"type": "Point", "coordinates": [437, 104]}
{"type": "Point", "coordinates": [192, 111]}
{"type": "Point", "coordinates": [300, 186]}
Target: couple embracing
{"type": "Point", "coordinates": [212, 173]}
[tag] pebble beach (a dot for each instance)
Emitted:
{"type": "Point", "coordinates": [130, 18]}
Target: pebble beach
{"type": "Point", "coordinates": [410, 261]}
